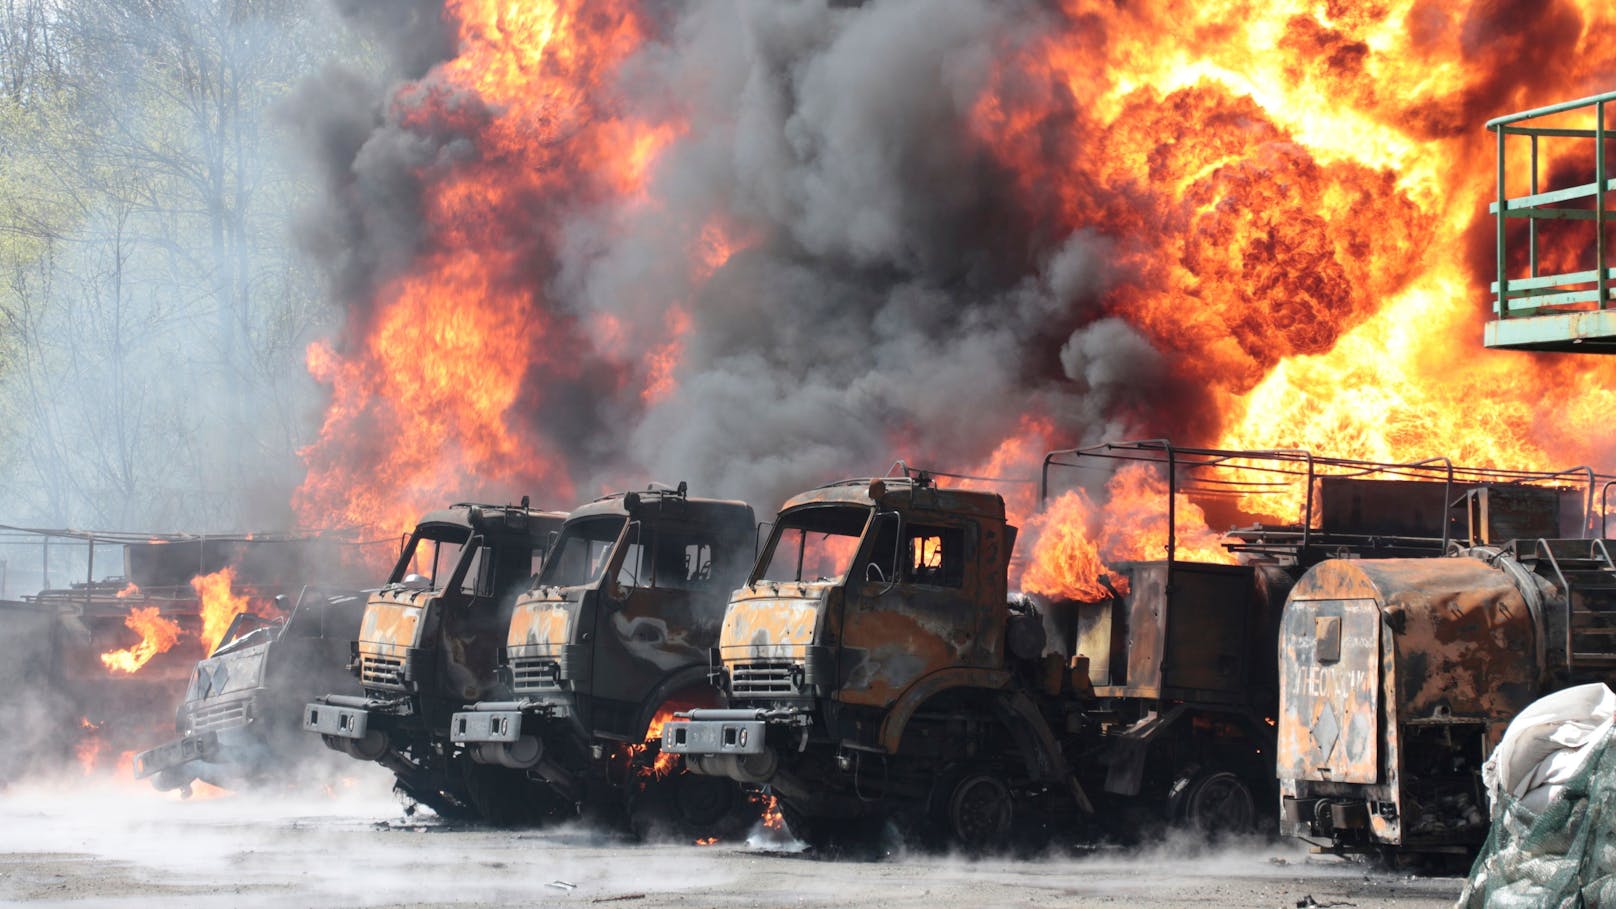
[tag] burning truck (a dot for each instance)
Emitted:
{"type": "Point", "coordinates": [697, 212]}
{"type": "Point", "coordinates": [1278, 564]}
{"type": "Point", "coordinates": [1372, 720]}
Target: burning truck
{"type": "Point", "coordinates": [239, 720]}
{"type": "Point", "coordinates": [609, 641]}
{"type": "Point", "coordinates": [876, 666]}
{"type": "Point", "coordinates": [97, 664]}
{"type": "Point", "coordinates": [426, 647]}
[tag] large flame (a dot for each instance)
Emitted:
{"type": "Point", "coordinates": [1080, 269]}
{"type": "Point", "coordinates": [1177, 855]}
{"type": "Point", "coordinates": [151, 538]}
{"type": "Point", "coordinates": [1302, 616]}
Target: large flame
{"type": "Point", "coordinates": [157, 635]}
{"type": "Point", "coordinates": [1291, 196]}
{"type": "Point", "coordinates": [220, 604]}
{"type": "Point", "coordinates": [1076, 539]}
{"type": "Point", "coordinates": [425, 393]}
{"type": "Point", "coordinates": [1297, 190]}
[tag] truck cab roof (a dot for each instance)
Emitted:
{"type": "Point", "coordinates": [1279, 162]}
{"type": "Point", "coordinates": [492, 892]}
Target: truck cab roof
{"type": "Point", "coordinates": [916, 492]}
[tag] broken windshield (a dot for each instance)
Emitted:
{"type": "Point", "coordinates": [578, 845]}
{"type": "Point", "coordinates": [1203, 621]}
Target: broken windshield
{"type": "Point", "coordinates": [814, 544]}
{"type": "Point", "coordinates": [581, 553]}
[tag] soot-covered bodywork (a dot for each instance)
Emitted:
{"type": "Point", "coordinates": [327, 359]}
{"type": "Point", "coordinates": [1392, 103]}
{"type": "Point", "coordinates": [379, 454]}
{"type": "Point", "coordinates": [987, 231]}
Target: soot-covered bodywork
{"type": "Point", "coordinates": [239, 722]}
{"type": "Point", "coordinates": [614, 636]}
{"type": "Point", "coordinates": [1398, 677]}
{"type": "Point", "coordinates": [875, 668]}
{"type": "Point", "coordinates": [428, 644]}
{"type": "Point", "coordinates": [865, 668]}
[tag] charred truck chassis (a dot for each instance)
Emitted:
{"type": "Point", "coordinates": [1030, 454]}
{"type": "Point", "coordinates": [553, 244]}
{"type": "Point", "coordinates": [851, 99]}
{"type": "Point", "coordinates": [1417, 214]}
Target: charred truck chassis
{"type": "Point", "coordinates": [612, 638]}
{"type": "Point", "coordinates": [427, 646]}
{"type": "Point", "coordinates": [239, 720]}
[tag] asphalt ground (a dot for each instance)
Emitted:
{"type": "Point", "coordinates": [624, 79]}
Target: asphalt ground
{"type": "Point", "coordinates": [108, 842]}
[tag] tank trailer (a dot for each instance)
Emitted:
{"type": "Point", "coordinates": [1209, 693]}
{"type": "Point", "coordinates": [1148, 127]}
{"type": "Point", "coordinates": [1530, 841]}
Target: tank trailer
{"type": "Point", "coordinates": [1398, 677]}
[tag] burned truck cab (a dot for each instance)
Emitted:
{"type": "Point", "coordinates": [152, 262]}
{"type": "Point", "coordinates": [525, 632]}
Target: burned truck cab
{"type": "Point", "coordinates": [238, 722]}
{"type": "Point", "coordinates": [611, 638]}
{"type": "Point", "coordinates": [428, 643]}
{"type": "Point", "coordinates": [864, 666]}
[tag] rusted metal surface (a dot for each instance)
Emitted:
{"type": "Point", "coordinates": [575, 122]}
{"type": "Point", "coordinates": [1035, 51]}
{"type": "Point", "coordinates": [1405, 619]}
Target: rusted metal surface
{"type": "Point", "coordinates": [599, 650]}
{"type": "Point", "coordinates": [1441, 651]}
{"type": "Point", "coordinates": [892, 632]}
{"type": "Point", "coordinates": [392, 621]}
{"type": "Point", "coordinates": [1330, 705]}
{"type": "Point", "coordinates": [764, 623]}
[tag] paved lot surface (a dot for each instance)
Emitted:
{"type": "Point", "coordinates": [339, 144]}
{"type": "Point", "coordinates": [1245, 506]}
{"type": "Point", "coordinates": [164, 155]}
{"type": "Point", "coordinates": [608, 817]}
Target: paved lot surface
{"type": "Point", "coordinates": [115, 843]}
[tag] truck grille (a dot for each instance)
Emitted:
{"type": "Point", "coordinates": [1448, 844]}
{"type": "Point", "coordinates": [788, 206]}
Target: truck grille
{"type": "Point", "coordinates": [766, 678]}
{"type": "Point", "coordinates": [531, 674]}
{"type": "Point", "coordinates": [219, 715]}
{"type": "Point", "coordinates": [381, 671]}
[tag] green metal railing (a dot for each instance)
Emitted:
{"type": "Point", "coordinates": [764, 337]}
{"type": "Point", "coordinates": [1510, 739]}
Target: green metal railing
{"type": "Point", "coordinates": [1569, 289]}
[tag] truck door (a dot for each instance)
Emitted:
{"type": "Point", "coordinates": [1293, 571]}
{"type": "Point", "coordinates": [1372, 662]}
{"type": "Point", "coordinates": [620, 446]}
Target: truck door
{"type": "Point", "coordinates": [918, 607]}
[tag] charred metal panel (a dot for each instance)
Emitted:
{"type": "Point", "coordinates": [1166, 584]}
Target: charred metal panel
{"type": "Point", "coordinates": [1206, 652]}
{"type": "Point", "coordinates": [392, 625]}
{"type": "Point", "coordinates": [1183, 633]}
{"type": "Point", "coordinates": [1102, 637]}
{"type": "Point", "coordinates": [1409, 508]}
{"type": "Point", "coordinates": [1519, 512]}
{"type": "Point", "coordinates": [762, 626]}
{"type": "Point", "coordinates": [540, 622]}
{"type": "Point", "coordinates": [1330, 682]}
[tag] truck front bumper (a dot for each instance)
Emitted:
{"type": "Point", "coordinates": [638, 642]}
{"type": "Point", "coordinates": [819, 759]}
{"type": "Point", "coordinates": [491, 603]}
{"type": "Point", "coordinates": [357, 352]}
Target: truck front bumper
{"type": "Point", "coordinates": [359, 727]}
{"type": "Point", "coordinates": [175, 754]}
{"type": "Point", "coordinates": [716, 731]}
{"type": "Point", "coordinates": [493, 731]}
{"type": "Point", "coordinates": [735, 742]}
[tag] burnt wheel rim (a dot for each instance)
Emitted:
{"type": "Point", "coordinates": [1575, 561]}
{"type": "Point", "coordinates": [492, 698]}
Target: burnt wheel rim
{"type": "Point", "coordinates": [1221, 803]}
{"type": "Point", "coordinates": [701, 801]}
{"type": "Point", "coordinates": [979, 811]}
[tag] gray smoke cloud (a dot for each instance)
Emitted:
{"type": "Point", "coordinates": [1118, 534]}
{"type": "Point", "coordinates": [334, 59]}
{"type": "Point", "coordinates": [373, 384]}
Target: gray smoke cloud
{"type": "Point", "coordinates": [893, 294]}
{"type": "Point", "coordinates": [898, 305]}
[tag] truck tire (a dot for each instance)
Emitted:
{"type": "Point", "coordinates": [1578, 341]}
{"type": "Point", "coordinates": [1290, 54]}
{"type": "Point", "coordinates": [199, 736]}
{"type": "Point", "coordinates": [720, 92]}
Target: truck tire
{"type": "Point", "coordinates": [856, 836]}
{"type": "Point", "coordinates": [690, 806]}
{"type": "Point", "coordinates": [1217, 803]}
{"type": "Point", "coordinates": [976, 808]}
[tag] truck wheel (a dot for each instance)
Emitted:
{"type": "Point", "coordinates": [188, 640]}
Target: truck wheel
{"type": "Point", "coordinates": [691, 806]}
{"type": "Point", "coordinates": [978, 812]}
{"type": "Point", "coordinates": [1218, 803]}
{"type": "Point", "coordinates": [833, 835]}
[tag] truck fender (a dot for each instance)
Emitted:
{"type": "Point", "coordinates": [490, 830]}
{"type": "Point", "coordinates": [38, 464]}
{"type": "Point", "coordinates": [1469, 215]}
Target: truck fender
{"type": "Point", "coordinates": [690, 678]}
{"type": "Point", "coordinates": [1045, 760]}
{"type": "Point", "coordinates": [897, 718]}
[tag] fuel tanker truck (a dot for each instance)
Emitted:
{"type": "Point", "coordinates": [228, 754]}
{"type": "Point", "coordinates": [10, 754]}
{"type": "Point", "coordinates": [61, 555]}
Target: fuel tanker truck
{"type": "Point", "coordinates": [1398, 677]}
{"type": "Point", "coordinates": [876, 667]}
{"type": "Point", "coordinates": [427, 646]}
{"type": "Point", "coordinates": [612, 638]}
